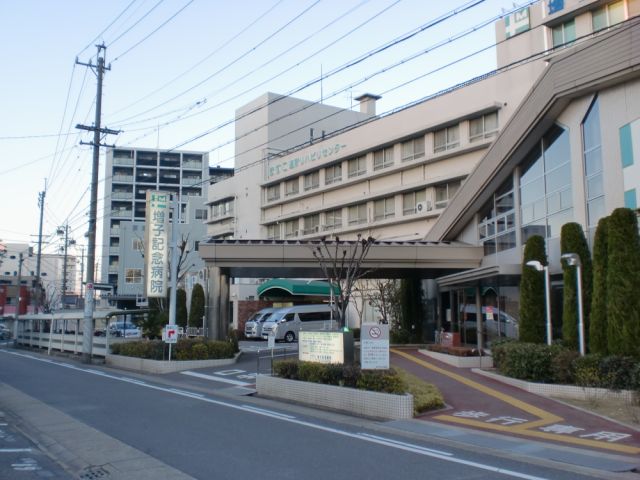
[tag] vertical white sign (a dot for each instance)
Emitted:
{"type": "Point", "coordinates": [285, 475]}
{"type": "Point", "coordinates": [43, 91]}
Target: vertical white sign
{"type": "Point", "coordinates": [374, 346]}
{"type": "Point", "coordinates": [157, 243]}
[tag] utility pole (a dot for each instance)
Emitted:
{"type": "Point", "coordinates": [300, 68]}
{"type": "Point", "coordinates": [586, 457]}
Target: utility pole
{"type": "Point", "coordinates": [18, 296]}
{"type": "Point", "coordinates": [38, 292]}
{"type": "Point", "coordinates": [87, 324]}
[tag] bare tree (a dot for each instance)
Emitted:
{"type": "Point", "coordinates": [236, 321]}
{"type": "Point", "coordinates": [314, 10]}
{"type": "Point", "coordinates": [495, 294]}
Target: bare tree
{"type": "Point", "coordinates": [382, 294]}
{"type": "Point", "coordinates": [341, 264]}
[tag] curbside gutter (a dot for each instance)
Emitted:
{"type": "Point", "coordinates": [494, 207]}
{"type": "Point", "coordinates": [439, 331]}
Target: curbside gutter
{"type": "Point", "coordinates": [342, 399]}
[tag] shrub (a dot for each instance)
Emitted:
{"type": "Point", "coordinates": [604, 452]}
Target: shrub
{"type": "Point", "coordinates": [199, 352]}
{"type": "Point", "coordinates": [399, 337]}
{"type": "Point", "coordinates": [532, 302]}
{"type": "Point", "coordinates": [499, 350]}
{"type": "Point", "coordinates": [196, 312]}
{"type": "Point", "coordinates": [562, 369]}
{"type": "Point", "coordinates": [311, 372]}
{"type": "Point", "coordinates": [232, 338]}
{"type": "Point", "coordinates": [527, 361]}
{"type": "Point", "coordinates": [356, 333]}
{"type": "Point", "coordinates": [615, 372]}
{"type": "Point", "coordinates": [456, 351]}
{"type": "Point", "coordinates": [598, 322]}
{"type": "Point", "coordinates": [286, 369]}
{"type": "Point", "coordinates": [425, 395]}
{"type": "Point", "coordinates": [184, 349]}
{"type": "Point", "coordinates": [387, 381]}
{"type": "Point", "coordinates": [587, 371]}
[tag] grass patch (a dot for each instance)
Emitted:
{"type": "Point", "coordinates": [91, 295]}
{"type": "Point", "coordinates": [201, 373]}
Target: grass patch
{"type": "Point", "coordinates": [425, 395]}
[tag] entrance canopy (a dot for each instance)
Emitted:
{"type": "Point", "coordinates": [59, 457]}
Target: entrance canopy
{"type": "Point", "coordinates": [284, 287]}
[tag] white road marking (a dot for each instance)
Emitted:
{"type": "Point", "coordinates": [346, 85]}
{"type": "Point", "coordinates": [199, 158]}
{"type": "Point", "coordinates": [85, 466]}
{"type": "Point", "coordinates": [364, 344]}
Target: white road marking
{"type": "Point", "coordinates": [14, 450]}
{"type": "Point", "coordinates": [215, 379]}
{"type": "Point", "coordinates": [267, 412]}
{"type": "Point", "coordinates": [444, 456]}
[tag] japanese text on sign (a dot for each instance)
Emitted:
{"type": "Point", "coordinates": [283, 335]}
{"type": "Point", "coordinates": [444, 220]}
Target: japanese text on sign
{"type": "Point", "coordinates": [156, 245]}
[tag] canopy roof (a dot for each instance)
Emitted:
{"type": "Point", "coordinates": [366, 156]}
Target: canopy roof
{"type": "Point", "coordinates": [284, 287]}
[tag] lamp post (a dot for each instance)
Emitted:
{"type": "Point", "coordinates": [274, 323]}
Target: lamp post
{"type": "Point", "coordinates": [547, 294]}
{"type": "Point", "coordinates": [573, 260]}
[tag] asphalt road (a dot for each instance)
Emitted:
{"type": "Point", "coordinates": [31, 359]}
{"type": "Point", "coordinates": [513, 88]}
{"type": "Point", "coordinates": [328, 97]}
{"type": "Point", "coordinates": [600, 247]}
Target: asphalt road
{"type": "Point", "coordinates": [207, 436]}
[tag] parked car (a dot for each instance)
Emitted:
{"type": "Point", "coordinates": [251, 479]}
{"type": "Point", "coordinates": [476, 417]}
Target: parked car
{"type": "Point", "coordinates": [286, 323]}
{"type": "Point", "coordinates": [126, 330]}
{"type": "Point", "coordinates": [253, 326]}
{"type": "Point", "coordinates": [5, 332]}
{"type": "Point", "coordinates": [500, 325]}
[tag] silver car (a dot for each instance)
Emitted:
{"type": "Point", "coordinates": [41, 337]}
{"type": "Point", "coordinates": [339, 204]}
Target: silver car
{"type": "Point", "coordinates": [253, 326]}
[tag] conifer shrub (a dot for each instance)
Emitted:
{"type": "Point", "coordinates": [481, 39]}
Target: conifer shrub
{"type": "Point", "coordinates": [532, 302]}
{"type": "Point", "coordinates": [598, 320]}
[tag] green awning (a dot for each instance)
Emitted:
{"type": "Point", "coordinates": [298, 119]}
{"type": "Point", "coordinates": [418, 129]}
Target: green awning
{"type": "Point", "coordinates": [285, 287]}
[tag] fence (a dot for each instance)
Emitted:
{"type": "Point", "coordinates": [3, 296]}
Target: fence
{"type": "Point", "coordinates": [264, 363]}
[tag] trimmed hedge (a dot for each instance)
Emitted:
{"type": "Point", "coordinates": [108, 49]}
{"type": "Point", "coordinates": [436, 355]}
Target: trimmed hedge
{"type": "Point", "coordinates": [184, 349]}
{"type": "Point", "coordinates": [556, 364]}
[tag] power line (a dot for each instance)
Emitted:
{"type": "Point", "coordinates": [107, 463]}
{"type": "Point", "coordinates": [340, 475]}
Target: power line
{"type": "Point", "coordinates": [154, 31]}
{"type": "Point", "coordinates": [90, 44]}
{"type": "Point", "coordinates": [136, 23]}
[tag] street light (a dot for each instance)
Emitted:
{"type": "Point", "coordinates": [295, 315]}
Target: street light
{"type": "Point", "coordinates": [547, 294]}
{"type": "Point", "coordinates": [573, 260]}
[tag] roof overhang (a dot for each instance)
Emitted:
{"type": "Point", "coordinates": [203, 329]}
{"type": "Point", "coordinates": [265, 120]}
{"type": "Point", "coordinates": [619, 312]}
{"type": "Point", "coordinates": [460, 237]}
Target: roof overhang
{"type": "Point", "coordinates": [294, 258]}
{"type": "Point", "coordinates": [507, 274]}
{"type": "Point", "coordinates": [606, 60]}
{"type": "Point", "coordinates": [284, 287]}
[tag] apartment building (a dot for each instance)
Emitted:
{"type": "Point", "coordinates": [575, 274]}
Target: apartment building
{"type": "Point", "coordinates": [130, 172]}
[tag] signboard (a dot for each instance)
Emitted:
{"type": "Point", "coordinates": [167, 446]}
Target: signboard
{"type": "Point", "coordinates": [321, 347]}
{"type": "Point", "coordinates": [170, 334]}
{"type": "Point", "coordinates": [516, 23]}
{"type": "Point", "coordinates": [276, 165]}
{"type": "Point", "coordinates": [271, 340]}
{"type": "Point", "coordinates": [157, 243]}
{"type": "Point", "coordinates": [489, 311]}
{"type": "Point", "coordinates": [374, 346]}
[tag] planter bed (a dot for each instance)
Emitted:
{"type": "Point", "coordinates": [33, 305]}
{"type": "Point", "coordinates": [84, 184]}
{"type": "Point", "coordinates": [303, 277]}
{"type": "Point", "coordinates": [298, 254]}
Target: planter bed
{"type": "Point", "coordinates": [144, 365]}
{"type": "Point", "coordinates": [461, 362]}
{"type": "Point", "coordinates": [348, 400]}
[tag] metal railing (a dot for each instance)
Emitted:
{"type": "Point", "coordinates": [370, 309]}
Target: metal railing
{"type": "Point", "coordinates": [266, 357]}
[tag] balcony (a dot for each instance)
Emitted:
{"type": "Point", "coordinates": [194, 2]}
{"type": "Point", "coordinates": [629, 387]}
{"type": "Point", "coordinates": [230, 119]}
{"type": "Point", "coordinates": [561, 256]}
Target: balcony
{"type": "Point", "coordinates": [122, 178]}
{"type": "Point", "coordinates": [192, 164]}
{"type": "Point", "coordinates": [113, 267]}
{"type": "Point", "coordinates": [114, 232]}
{"type": "Point", "coordinates": [114, 250]}
{"type": "Point", "coordinates": [121, 213]}
{"type": "Point", "coordinates": [311, 230]}
{"type": "Point", "coordinates": [191, 180]}
{"type": "Point", "coordinates": [123, 161]}
{"type": "Point", "coordinates": [122, 195]}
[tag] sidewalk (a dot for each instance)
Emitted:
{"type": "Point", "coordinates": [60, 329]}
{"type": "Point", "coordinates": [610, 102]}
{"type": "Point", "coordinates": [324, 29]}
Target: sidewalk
{"type": "Point", "coordinates": [482, 404]}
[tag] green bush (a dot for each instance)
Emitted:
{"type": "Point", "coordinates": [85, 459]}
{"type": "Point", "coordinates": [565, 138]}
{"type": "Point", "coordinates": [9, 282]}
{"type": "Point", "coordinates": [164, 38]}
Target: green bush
{"type": "Point", "coordinates": [387, 381]}
{"type": "Point", "coordinates": [615, 372]}
{"type": "Point", "coordinates": [498, 350]}
{"type": "Point", "coordinates": [587, 371]}
{"type": "Point", "coordinates": [311, 372]}
{"type": "Point", "coordinates": [400, 337]}
{"type": "Point", "coordinates": [532, 302]}
{"type": "Point", "coordinates": [232, 338]}
{"type": "Point", "coordinates": [527, 361]}
{"type": "Point", "coordinates": [286, 369]}
{"type": "Point", "coordinates": [184, 349]}
{"type": "Point", "coordinates": [425, 395]}
{"type": "Point", "coordinates": [562, 367]}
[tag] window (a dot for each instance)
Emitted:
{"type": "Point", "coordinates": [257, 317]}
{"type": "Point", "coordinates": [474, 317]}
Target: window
{"type": "Point", "coordinates": [593, 164]}
{"type": "Point", "coordinates": [483, 127]}
{"type": "Point", "coordinates": [357, 166]}
{"type": "Point", "coordinates": [411, 199]}
{"type": "Point", "coordinates": [358, 214]}
{"type": "Point", "coordinates": [413, 149]}
{"type": "Point", "coordinates": [311, 224]}
{"type": "Point", "coordinates": [273, 192]}
{"type": "Point", "coordinates": [273, 231]}
{"type": "Point", "coordinates": [607, 15]}
{"type": "Point", "coordinates": [384, 208]}
{"type": "Point", "coordinates": [333, 174]}
{"type": "Point", "coordinates": [291, 228]}
{"type": "Point", "coordinates": [446, 139]}
{"type": "Point", "coordinates": [333, 219]}
{"type": "Point", "coordinates": [201, 214]}
{"type": "Point", "coordinates": [497, 221]}
{"type": "Point", "coordinates": [545, 186]}
{"type": "Point", "coordinates": [312, 180]}
{"type": "Point", "coordinates": [137, 245]}
{"type": "Point", "coordinates": [383, 158]}
{"type": "Point", "coordinates": [445, 192]}
{"type": "Point", "coordinates": [564, 33]}
{"type": "Point", "coordinates": [291, 187]}
{"type": "Point", "coordinates": [133, 276]}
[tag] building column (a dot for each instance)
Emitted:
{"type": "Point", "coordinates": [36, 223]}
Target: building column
{"type": "Point", "coordinates": [479, 320]}
{"type": "Point", "coordinates": [213, 302]}
{"type": "Point", "coordinates": [224, 306]}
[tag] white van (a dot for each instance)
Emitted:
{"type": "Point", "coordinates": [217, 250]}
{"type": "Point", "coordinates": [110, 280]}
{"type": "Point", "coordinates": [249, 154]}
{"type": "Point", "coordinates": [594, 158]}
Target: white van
{"type": "Point", "coordinates": [287, 322]}
{"type": "Point", "coordinates": [253, 326]}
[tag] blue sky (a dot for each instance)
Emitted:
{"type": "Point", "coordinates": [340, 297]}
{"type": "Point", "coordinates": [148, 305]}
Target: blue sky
{"type": "Point", "coordinates": [182, 67]}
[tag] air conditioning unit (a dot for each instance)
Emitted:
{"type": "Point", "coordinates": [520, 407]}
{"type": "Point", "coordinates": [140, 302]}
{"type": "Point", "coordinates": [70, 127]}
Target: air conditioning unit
{"type": "Point", "coordinates": [422, 207]}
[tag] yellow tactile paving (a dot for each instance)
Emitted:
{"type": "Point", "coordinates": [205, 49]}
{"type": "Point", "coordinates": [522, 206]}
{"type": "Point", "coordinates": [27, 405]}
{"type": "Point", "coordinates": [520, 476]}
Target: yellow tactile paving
{"type": "Point", "coordinates": [545, 418]}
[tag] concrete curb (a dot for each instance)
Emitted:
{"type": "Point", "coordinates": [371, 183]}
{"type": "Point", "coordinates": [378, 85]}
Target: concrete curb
{"type": "Point", "coordinates": [144, 365]}
{"type": "Point", "coordinates": [346, 400]}
{"type": "Point", "coordinates": [485, 361]}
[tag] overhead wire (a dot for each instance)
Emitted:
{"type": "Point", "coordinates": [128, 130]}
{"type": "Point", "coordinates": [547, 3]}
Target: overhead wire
{"type": "Point", "coordinates": [106, 28]}
{"type": "Point", "coordinates": [136, 23]}
{"type": "Point", "coordinates": [152, 32]}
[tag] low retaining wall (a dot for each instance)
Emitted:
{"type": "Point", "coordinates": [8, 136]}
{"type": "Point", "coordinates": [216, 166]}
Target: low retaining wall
{"type": "Point", "coordinates": [342, 399]}
{"type": "Point", "coordinates": [485, 361]}
{"type": "Point", "coordinates": [558, 391]}
{"type": "Point", "coordinates": [145, 365]}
